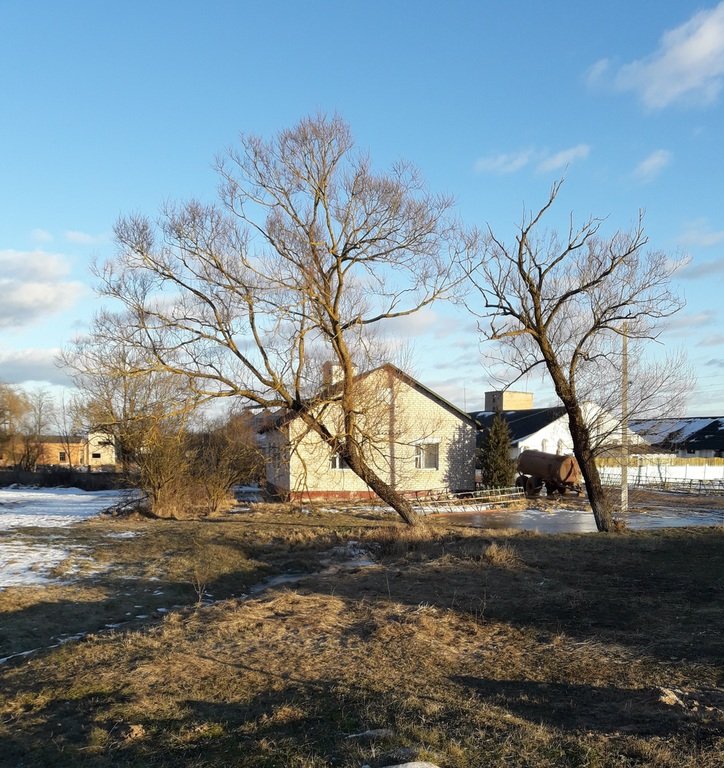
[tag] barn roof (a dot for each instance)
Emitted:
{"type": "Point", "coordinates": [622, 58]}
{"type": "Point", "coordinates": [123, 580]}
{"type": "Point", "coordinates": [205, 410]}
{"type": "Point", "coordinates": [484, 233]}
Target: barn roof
{"type": "Point", "coordinates": [521, 423]}
{"type": "Point", "coordinates": [698, 433]}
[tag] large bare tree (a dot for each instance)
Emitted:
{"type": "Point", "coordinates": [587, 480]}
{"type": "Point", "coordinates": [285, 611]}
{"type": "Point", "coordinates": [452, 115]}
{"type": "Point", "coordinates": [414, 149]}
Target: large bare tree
{"type": "Point", "coordinates": [34, 427]}
{"type": "Point", "coordinates": [119, 393]}
{"type": "Point", "coordinates": [306, 253]}
{"type": "Point", "coordinates": [14, 407]}
{"type": "Point", "coordinates": [560, 304]}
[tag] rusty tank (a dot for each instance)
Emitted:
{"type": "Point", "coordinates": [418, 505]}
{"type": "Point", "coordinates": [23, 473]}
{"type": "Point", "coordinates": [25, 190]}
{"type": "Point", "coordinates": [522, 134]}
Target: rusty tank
{"type": "Point", "coordinates": [559, 474]}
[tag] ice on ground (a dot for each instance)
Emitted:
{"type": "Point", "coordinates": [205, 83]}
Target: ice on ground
{"type": "Point", "coordinates": [27, 564]}
{"type": "Point", "coordinates": [23, 564]}
{"type": "Point", "coordinates": [51, 507]}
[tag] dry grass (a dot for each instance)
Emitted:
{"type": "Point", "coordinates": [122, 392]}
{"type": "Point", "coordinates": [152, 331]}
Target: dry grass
{"type": "Point", "coordinates": [461, 647]}
{"type": "Point", "coordinates": [502, 556]}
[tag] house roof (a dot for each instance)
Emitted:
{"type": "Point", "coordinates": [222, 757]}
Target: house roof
{"type": "Point", "coordinates": [521, 423]}
{"type": "Point", "coordinates": [63, 439]}
{"type": "Point", "coordinates": [271, 420]}
{"type": "Point", "coordinates": [698, 433]}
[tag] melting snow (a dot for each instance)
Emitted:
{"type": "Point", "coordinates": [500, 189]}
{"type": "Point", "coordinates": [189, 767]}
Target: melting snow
{"type": "Point", "coordinates": [24, 563]}
{"type": "Point", "coordinates": [674, 430]}
{"type": "Point", "coordinates": [51, 507]}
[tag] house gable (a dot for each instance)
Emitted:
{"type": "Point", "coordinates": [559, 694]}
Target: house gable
{"type": "Point", "coordinates": [417, 441]}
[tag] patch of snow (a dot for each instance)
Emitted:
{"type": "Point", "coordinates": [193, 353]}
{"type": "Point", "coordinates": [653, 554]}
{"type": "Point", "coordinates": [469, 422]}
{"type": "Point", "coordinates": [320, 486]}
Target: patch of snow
{"type": "Point", "coordinates": [673, 430]}
{"type": "Point", "coordinates": [51, 507]}
{"type": "Point", "coordinates": [122, 535]}
{"type": "Point", "coordinates": [26, 564]}
{"type": "Point", "coordinates": [23, 564]}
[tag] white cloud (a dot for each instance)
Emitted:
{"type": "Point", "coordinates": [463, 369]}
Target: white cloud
{"type": "Point", "coordinates": [651, 166]}
{"type": "Point", "coordinates": [564, 158]}
{"type": "Point", "coordinates": [83, 238]}
{"type": "Point", "coordinates": [597, 72]}
{"type": "Point", "coordinates": [715, 340]}
{"type": "Point", "coordinates": [706, 269]}
{"type": "Point", "coordinates": [27, 302]}
{"type": "Point", "coordinates": [687, 66]}
{"type": "Point", "coordinates": [427, 323]}
{"type": "Point", "coordinates": [683, 324]}
{"type": "Point", "coordinates": [18, 367]}
{"type": "Point", "coordinates": [22, 265]}
{"type": "Point", "coordinates": [544, 160]}
{"type": "Point", "coordinates": [41, 236]}
{"type": "Point", "coordinates": [504, 163]}
{"type": "Point", "coordinates": [33, 285]}
{"type": "Point", "coordinates": [699, 233]}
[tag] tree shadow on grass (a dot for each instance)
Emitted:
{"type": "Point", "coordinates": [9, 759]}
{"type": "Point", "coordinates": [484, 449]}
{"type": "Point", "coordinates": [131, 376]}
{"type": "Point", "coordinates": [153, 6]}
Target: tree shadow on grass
{"type": "Point", "coordinates": [282, 726]}
{"type": "Point", "coordinates": [661, 593]}
{"type": "Point", "coordinates": [586, 708]}
{"type": "Point", "coordinates": [114, 604]}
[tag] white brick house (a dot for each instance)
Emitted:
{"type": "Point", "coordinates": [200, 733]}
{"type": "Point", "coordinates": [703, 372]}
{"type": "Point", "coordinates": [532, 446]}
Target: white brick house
{"type": "Point", "coordinates": [414, 440]}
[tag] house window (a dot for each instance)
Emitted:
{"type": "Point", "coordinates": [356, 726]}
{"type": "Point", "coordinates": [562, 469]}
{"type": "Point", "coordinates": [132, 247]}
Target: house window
{"type": "Point", "coordinates": [95, 455]}
{"type": "Point", "coordinates": [560, 448]}
{"type": "Point", "coordinates": [337, 462]}
{"type": "Point", "coordinates": [427, 455]}
{"type": "Point", "coordinates": [544, 446]}
{"type": "Point", "coordinates": [61, 456]}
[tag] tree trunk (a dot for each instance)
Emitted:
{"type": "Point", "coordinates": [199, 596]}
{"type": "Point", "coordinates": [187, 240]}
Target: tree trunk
{"type": "Point", "coordinates": [386, 492]}
{"type": "Point", "coordinates": [586, 461]}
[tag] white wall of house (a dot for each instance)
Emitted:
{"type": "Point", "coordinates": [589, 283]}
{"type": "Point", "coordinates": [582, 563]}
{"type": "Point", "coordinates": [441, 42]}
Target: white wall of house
{"type": "Point", "coordinates": [99, 451]}
{"type": "Point", "coordinates": [553, 438]}
{"type": "Point", "coordinates": [415, 444]}
{"type": "Point", "coordinates": [556, 436]}
{"type": "Point", "coordinates": [274, 444]}
{"type": "Point", "coordinates": [653, 471]}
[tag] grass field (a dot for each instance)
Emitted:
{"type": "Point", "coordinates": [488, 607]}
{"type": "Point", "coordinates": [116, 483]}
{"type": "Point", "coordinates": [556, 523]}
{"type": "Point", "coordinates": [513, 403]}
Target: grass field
{"type": "Point", "coordinates": [459, 646]}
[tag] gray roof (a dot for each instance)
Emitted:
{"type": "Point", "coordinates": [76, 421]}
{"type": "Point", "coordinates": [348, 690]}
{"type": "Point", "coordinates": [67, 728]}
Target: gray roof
{"type": "Point", "coordinates": [521, 423]}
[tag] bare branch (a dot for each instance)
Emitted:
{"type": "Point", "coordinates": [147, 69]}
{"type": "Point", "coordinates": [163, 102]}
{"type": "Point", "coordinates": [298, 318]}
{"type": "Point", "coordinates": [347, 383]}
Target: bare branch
{"type": "Point", "coordinates": [562, 305]}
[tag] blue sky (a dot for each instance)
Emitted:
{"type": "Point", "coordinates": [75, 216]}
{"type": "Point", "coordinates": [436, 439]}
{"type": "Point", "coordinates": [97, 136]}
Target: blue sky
{"type": "Point", "coordinates": [114, 108]}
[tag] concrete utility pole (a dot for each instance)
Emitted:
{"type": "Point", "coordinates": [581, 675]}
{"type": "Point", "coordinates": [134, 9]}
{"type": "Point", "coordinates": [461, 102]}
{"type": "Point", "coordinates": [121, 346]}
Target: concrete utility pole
{"type": "Point", "coordinates": [624, 421]}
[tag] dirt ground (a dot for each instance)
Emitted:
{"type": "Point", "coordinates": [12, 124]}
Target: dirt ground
{"type": "Point", "coordinates": [464, 647]}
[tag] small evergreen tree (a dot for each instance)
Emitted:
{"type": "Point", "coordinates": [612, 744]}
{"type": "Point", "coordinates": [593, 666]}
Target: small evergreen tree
{"type": "Point", "coordinates": [498, 469]}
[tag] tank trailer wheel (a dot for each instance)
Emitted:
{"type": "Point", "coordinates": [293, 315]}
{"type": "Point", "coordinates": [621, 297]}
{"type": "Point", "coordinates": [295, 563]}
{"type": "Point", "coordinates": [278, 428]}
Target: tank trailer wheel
{"type": "Point", "coordinates": [533, 486]}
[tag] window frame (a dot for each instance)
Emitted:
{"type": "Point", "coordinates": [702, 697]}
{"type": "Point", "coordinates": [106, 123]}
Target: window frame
{"type": "Point", "coordinates": [337, 463]}
{"type": "Point", "coordinates": [424, 450]}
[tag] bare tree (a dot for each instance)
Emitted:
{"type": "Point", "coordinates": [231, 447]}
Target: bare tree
{"type": "Point", "coordinates": [224, 454]}
{"type": "Point", "coordinates": [66, 424]}
{"type": "Point", "coordinates": [560, 304]}
{"type": "Point", "coordinates": [121, 395]}
{"type": "Point", "coordinates": [14, 406]}
{"type": "Point", "coordinates": [33, 427]}
{"type": "Point", "coordinates": [307, 252]}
